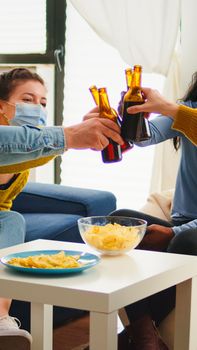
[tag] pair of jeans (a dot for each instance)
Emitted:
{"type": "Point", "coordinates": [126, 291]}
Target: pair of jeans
{"type": "Point", "coordinates": [12, 229]}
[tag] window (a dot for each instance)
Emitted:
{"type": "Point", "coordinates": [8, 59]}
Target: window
{"type": "Point", "coordinates": [23, 28]}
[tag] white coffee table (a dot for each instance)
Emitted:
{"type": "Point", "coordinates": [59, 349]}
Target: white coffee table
{"type": "Point", "coordinates": [103, 290]}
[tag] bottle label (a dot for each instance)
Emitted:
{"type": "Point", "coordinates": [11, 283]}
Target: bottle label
{"type": "Point", "coordinates": [134, 127]}
{"type": "Point", "coordinates": [126, 146]}
{"type": "Point", "coordinates": [112, 153]}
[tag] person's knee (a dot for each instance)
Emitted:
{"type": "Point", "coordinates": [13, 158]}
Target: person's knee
{"type": "Point", "coordinates": [184, 243]}
{"type": "Point", "coordinates": [18, 219]}
{"type": "Point", "coordinates": [126, 212]}
{"type": "Point", "coordinates": [12, 228]}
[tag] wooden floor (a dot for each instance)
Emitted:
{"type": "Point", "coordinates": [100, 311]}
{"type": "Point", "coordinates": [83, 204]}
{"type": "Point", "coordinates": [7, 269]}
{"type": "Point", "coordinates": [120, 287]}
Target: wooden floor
{"type": "Point", "coordinates": [72, 334]}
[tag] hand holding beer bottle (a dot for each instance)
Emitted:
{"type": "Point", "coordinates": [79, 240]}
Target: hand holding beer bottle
{"type": "Point", "coordinates": [134, 127]}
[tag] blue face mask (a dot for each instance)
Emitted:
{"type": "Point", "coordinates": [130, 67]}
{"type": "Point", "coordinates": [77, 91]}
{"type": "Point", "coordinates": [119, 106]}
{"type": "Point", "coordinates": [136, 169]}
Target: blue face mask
{"type": "Point", "coordinates": [29, 114]}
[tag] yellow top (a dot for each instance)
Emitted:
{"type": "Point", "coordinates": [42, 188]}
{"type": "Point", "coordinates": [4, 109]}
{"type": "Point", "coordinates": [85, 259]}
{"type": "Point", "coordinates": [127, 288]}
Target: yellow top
{"type": "Point", "coordinates": [16, 168]}
{"type": "Point", "coordinates": [186, 122]}
{"type": "Point", "coordinates": [8, 195]}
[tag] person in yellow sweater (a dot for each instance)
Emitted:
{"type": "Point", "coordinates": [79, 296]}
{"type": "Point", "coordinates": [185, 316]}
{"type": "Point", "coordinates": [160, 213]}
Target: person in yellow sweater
{"type": "Point", "coordinates": [30, 144]}
{"type": "Point", "coordinates": [185, 118]}
{"type": "Point", "coordinates": [22, 101]}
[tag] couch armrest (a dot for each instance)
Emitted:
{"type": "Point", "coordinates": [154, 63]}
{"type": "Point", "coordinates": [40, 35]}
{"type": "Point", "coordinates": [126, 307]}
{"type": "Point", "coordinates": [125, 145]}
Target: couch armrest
{"type": "Point", "coordinates": [51, 198]}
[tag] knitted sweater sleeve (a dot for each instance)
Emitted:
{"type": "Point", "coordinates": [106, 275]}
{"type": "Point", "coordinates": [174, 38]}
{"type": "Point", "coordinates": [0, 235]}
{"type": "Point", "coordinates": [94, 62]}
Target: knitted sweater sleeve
{"type": "Point", "coordinates": [186, 122]}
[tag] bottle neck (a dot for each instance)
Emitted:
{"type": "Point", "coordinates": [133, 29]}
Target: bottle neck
{"type": "Point", "coordinates": [128, 74]}
{"type": "Point", "coordinates": [134, 93]}
{"type": "Point", "coordinates": [136, 80]}
{"type": "Point", "coordinates": [95, 94]}
{"type": "Point", "coordinates": [101, 99]}
{"type": "Point", "coordinates": [105, 109]}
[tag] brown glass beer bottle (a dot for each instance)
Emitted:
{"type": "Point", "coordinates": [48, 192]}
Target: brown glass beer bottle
{"type": "Point", "coordinates": [95, 94]}
{"type": "Point", "coordinates": [111, 153]}
{"type": "Point", "coordinates": [134, 127]}
{"type": "Point", "coordinates": [128, 75]}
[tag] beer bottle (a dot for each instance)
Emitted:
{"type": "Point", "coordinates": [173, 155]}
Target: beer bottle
{"type": "Point", "coordinates": [128, 75]}
{"type": "Point", "coordinates": [95, 94]}
{"type": "Point", "coordinates": [134, 127]}
{"type": "Point", "coordinates": [111, 153]}
{"type": "Point", "coordinates": [114, 116]}
{"type": "Point", "coordinates": [94, 91]}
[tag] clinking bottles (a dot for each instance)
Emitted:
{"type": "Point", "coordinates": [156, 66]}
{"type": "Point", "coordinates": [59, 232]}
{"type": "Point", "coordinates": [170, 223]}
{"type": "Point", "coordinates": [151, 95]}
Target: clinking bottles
{"type": "Point", "coordinates": [110, 113]}
{"type": "Point", "coordinates": [134, 127]}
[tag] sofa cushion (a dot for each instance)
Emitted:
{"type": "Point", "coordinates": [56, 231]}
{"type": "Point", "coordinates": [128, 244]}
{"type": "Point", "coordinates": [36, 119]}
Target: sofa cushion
{"type": "Point", "coordinates": [48, 198]}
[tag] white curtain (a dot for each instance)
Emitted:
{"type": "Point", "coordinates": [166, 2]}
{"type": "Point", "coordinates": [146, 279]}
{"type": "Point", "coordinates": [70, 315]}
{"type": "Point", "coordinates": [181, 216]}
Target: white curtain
{"type": "Point", "coordinates": [166, 158]}
{"type": "Point", "coordinates": [144, 32]}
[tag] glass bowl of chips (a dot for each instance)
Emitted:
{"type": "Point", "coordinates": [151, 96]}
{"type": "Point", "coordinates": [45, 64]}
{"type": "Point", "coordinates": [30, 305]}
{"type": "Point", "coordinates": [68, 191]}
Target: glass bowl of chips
{"type": "Point", "coordinates": [112, 235]}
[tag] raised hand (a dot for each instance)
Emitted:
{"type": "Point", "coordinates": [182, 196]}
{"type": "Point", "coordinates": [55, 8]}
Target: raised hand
{"type": "Point", "coordinates": [94, 132]}
{"type": "Point", "coordinates": [155, 103]}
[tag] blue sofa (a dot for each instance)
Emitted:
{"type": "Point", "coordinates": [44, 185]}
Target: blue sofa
{"type": "Point", "coordinates": [51, 212]}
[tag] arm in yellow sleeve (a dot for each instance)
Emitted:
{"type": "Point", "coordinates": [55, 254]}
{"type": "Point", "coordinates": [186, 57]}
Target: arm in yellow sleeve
{"type": "Point", "coordinates": [185, 121]}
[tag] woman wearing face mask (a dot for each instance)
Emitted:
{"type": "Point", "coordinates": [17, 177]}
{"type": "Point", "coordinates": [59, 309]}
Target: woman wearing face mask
{"type": "Point", "coordinates": [27, 143]}
{"type": "Point", "coordinates": [22, 102]}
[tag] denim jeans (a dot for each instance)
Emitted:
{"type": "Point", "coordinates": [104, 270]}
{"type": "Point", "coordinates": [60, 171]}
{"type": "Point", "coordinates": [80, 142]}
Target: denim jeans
{"type": "Point", "coordinates": [12, 228]}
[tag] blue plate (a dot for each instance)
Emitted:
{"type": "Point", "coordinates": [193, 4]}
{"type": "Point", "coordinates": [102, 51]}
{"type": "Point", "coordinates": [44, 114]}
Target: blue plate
{"type": "Point", "coordinates": [87, 260]}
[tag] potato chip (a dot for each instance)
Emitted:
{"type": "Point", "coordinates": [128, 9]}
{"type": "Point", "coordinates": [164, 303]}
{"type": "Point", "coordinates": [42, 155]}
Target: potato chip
{"type": "Point", "coordinates": [44, 261]}
{"type": "Point", "coordinates": [112, 237]}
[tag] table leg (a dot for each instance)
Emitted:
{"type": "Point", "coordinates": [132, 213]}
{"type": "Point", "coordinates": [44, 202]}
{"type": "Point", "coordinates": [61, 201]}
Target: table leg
{"type": "Point", "coordinates": [186, 315]}
{"type": "Point", "coordinates": [42, 326]}
{"type": "Point", "coordinates": [103, 331]}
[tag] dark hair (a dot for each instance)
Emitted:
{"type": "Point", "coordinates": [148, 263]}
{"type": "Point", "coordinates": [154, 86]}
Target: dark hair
{"type": "Point", "coordinates": [9, 80]}
{"type": "Point", "coordinates": [190, 95]}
